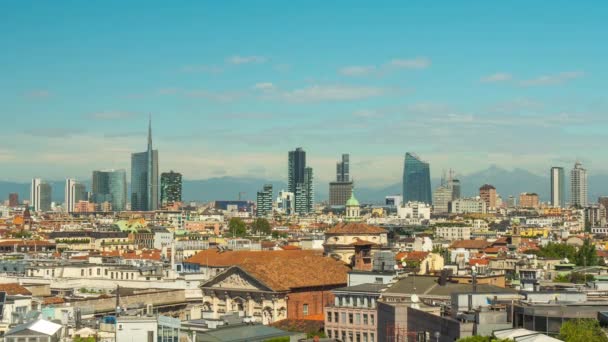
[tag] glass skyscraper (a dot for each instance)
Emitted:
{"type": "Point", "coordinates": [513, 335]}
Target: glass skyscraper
{"type": "Point", "coordinates": [110, 186]}
{"type": "Point", "coordinates": [144, 178]}
{"type": "Point", "coordinates": [170, 187]}
{"type": "Point", "coordinates": [416, 180]}
{"type": "Point", "coordinates": [300, 181]}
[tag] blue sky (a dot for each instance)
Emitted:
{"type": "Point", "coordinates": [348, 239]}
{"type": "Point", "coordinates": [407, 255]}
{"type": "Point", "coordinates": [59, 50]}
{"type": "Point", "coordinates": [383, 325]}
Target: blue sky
{"type": "Point", "coordinates": [233, 85]}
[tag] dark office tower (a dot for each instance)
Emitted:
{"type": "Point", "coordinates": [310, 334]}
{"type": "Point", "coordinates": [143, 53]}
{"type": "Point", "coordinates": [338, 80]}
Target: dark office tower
{"type": "Point", "coordinates": [144, 178]}
{"type": "Point", "coordinates": [416, 180]}
{"type": "Point", "coordinates": [343, 170]}
{"type": "Point", "coordinates": [341, 190]}
{"type": "Point", "coordinates": [558, 187]}
{"type": "Point", "coordinates": [454, 184]}
{"type": "Point", "coordinates": [13, 199]}
{"type": "Point", "coordinates": [264, 201]}
{"type": "Point", "coordinates": [310, 189]}
{"type": "Point", "coordinates": [295, 168]}
{"type": "Point", "coordinates": [110, 186]}
{"type": "Point", "coordinates": [170, 188]}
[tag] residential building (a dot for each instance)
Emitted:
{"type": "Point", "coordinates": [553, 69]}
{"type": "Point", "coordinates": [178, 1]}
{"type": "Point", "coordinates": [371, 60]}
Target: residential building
{"type": "Point", "coordinates": [578, 186]}
{"type": "Point", "coordinates": [352, 316]}
{"type": "Point", "coordinates": [13, 199]}
{"type": "Point", "coordinates": [85, 207]}
{"type": "Point", "coordinates": [340, 190]}
{"type": "Point", "coordinates": [300, 181]}
{"type": "Point", "coordinates": [511, 202]}
{"type": "Point", "coordinates": [40, 195]}
{"type": "Point", "coordinates": [393, 201]}
{"type": "Point", "coordinates": [452, 233]}
{"type": "Point", "coordinates": [170, 188]}
{"type": "Point", "coordinates": [468, 206]}
{"type": "Point", "coordinates": [529, 200]}
{"type": "Point", "coordinates": [74, 193]}
{"type": "Point", "coordinates": [488, 194]}
{"type": "Point", "coordinates": [454, 185]}
{"type": "Point", "coordinates": [110, 186]}
{"type": "Point", "coordinates": [416, 180]}
{"type": "Point", "coordinates": [415, 212]}
{"type": "Point", "coordinates": [286, 202]}
{"type": "Point", "coordinates": [344, 240]}
{"type": "Point", "coordinates": [603, 200]}
{"type": "Point", "coordinates": [442, 196]}
{"type": "Point", "coordinates": [558, 187]}
{"type": "Point", "coordinates": [264, 201]}
{"type": "Point", "coordinates": [144, 177]}
{"type": "Point", "coordinates": [595, 215]}
{"type": "Point", "coordinates": [37, 330]}
{"type": "Point", "coordinates": [147, 328]}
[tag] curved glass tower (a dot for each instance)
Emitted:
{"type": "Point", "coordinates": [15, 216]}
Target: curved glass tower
{"type": "Point", "coordinates": [416, 180]}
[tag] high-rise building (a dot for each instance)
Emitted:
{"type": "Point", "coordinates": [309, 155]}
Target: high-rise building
{"type": "Point", "coordinates": [286, 202]}
{"type": "Point", "coordinates": [110, 186]}
{"type": "Point", "coordinates": [528, 200]}
{"type": "Point", "coordinates": [343, 169]}
{"type": "Point", "coordinates": [341, 190]}
{"type": "Point", "coordinates": [578, 186]}
{"type": "Point", "coordinates": [300, 181]}
{"type": "Point", "coordinates": [454, 185]}
{"type": "Point", "coordinates": [74, 193]}
{"type": "Point", "coordinates": [170, 188]}
{"type": "Point", "coordinates": [558, 187]}
{"type": "Point", "coordinates": [487, 193]}
{"type": "Point", "coordinates": [442, 196]}
{"type": "Point", "coordinates": [13, 199]}
{"type": "Point", "coordinates": [40, 195]}
{"type": "Point", "coordinates": [416, 180]}
{"type": "Point", "coordinates": [144, 177]}
{"type": "Point", "coordinates": [264, 201]}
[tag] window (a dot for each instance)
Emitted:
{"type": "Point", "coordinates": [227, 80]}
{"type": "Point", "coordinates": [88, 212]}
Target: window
{"type": "Point", "coordinates": [357, 319]}
{"type": "Point", "coordinates": [350, 336]}
{"type": "Point", "coordinates": [364, 319]}
{"type": "Point", "coordinates": [379, 280]}
{"type": "Point", "coordinates": [90, 271]}
{"type": "Point", "coordinates": [336, 317]}
{"type": "Point", "coordinates": [105, 272]}
{"type": "Point", "coordinates": [364, 337]}
{"type": "Point", "coordinates": [98, 271]}
{"type": "Point", "coordinates": [329, 333]}
{"type": "Point", "coordinates": [343, 335]}
{"type": "Point", "coordinates": [329, 317]}
{"type": "Point", "coordinates": [305, 309]}
{"type": "Point", "coordinates": [350, 318]}
{"type": "Point", "coordinates": [371, 337]}
{"type": "Point", "coordinates": [82, 272]}
{"type": "Point", "coordinates": [343, 317]}
{"type": "Point", "coordinates": [371, 319]}
{"type": "Point", "coordinates": [358, 337]}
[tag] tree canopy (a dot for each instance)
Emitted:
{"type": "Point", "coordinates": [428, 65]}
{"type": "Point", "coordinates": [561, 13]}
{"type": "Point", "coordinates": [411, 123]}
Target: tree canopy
{"type": "Point", "coordinates": [586, 255]}
{"type": "Point", "coordinates": [261, 226]}
{"type": "Point", "coordinates": [236, 227]}
{"type": "Point", "coordinates": [582, 330]}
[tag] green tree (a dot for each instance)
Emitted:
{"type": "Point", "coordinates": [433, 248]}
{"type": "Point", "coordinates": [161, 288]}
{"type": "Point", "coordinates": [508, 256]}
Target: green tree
{"type": "Point", "coordinates": [557, 251]}
{"type": "Point", "coordinates": [582, 330]}
{"type": "Point", "coordinates": [261, 226]}
{"type": "Point", "coordinates": [236, 227]}
{"type": "Point", "coordinates": [586, 255]}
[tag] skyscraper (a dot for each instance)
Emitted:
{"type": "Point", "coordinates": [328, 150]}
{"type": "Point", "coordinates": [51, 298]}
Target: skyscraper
{"type": "Point", "coordinates": [487, 193]}
{"type": "Point", "coordinates": [558, 187]}
{"type": "Point", "coordinates": [170, 188]}
{"type": "Point", "coordinates": [454, 185]}
{"type": "Point", "coordinates": [13, 199]}
{"type": "Point", "coordinates": [300, 181]}
{"type": "Point", "coordinates": [144, 177]}
{"type": "Point", "coordinates": [74, 193]}
{"type": "Point", "coordinates": [416, 180]}
{"type": "Point", "coordinates": [264, 201]}
{"type": "Point", "coordinates": [341, 190]}
{"type": "Point", "coordinates": [40, 195]}
{"type": "Point", "coordinates": [110, 186]}
{"type": "Point", "coordinates": [442, 196]}
{"type": "Point", "coordinates": [578, 186]}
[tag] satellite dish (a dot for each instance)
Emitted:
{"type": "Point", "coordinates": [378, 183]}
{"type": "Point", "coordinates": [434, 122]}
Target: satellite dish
{"type": "Point", "coordinates": [415, 298]}
{"type": "Point", "coordinates": [403, 263]}
{"type": "Point", "coordinates": [396, 267]}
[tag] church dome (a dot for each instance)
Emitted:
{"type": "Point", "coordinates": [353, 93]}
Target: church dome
{"type": "Point", "coordinates": [352, 201]}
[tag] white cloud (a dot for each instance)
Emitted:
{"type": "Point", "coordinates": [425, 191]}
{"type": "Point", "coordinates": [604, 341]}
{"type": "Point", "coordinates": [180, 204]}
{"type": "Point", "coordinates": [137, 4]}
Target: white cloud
{"type": "Point", "coordinates": [264, 86]}
{"type": "Point", "coordinates": [111, 115]}
{"type": "Point", "coordinates": [357, 70]}
{"type": "Point", "coordinates": [555, 79]}
{"type": "Point", "coordinates": [246, 59]}
{"type": "Point", "coordinates": [210, 69]}
{"type": "Point", "coordinates": [38, 94]}
{"type": "Point", "coordinates": [497, 77]}
{"type": "Point", "coordinates": [415, 63]}
{"type": "Point", "coordinates": [319, 93]}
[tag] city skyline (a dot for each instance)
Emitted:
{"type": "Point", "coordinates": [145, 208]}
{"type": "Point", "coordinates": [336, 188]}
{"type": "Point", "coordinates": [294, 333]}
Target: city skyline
{"type": "Point", "coordinates": [387, 98]}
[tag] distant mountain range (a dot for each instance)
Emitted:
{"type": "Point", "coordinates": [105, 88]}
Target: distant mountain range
{"type": "Point", "coordinates": [506, 182]}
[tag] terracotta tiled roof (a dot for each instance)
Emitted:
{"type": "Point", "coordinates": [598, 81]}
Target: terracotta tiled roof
{"type": "Point", "coordinates": [603, 254]}
{"type": "Point", "coordinates": [13, 289]}
{"type": "Point", "coordinates": [417, 256]}
{"type": "Point", "coordinates": [493, 250]}
{"type": "Point", "coordinates": [290, 248]}
{"type": "Point", "coordinates": [360, 242]}
{"type": "Point", "coordinates": [479, 261]}
{"type": "Point", "coordinates": [355, 228]}
{"type": "Point", "coordinates": [470, 244]}
{"type": "Point", "coordinates": [307, 271]}
{"type": "Point", "coordinates": [26, 243]}
{"type": "Point", "coordinates": [52, 300]}
{"type": "Point", "coordinates": [501, 241]}
{"type": "Point", "coordinates": [215, 258]}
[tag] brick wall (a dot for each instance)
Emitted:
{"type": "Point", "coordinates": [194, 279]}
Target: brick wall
{"type": "Point", "coordinates": [317, 299]}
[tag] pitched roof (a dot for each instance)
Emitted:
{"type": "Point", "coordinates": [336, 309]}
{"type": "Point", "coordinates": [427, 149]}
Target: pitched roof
{"type": "Point", "coordinates": [215, 258]}
{"type": "Point", "coordinates": [355, 228]}
{"type": "Point", "coordinates": [418, 256]}
{"type": "Point", "coordinates": [306, 271]}
{"type": "Point", "coordinates": [41, 326]}
{"type": "Point", "coordinates": [13, 289]}
{"type": "Point", "coordinates": [470, 244]}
